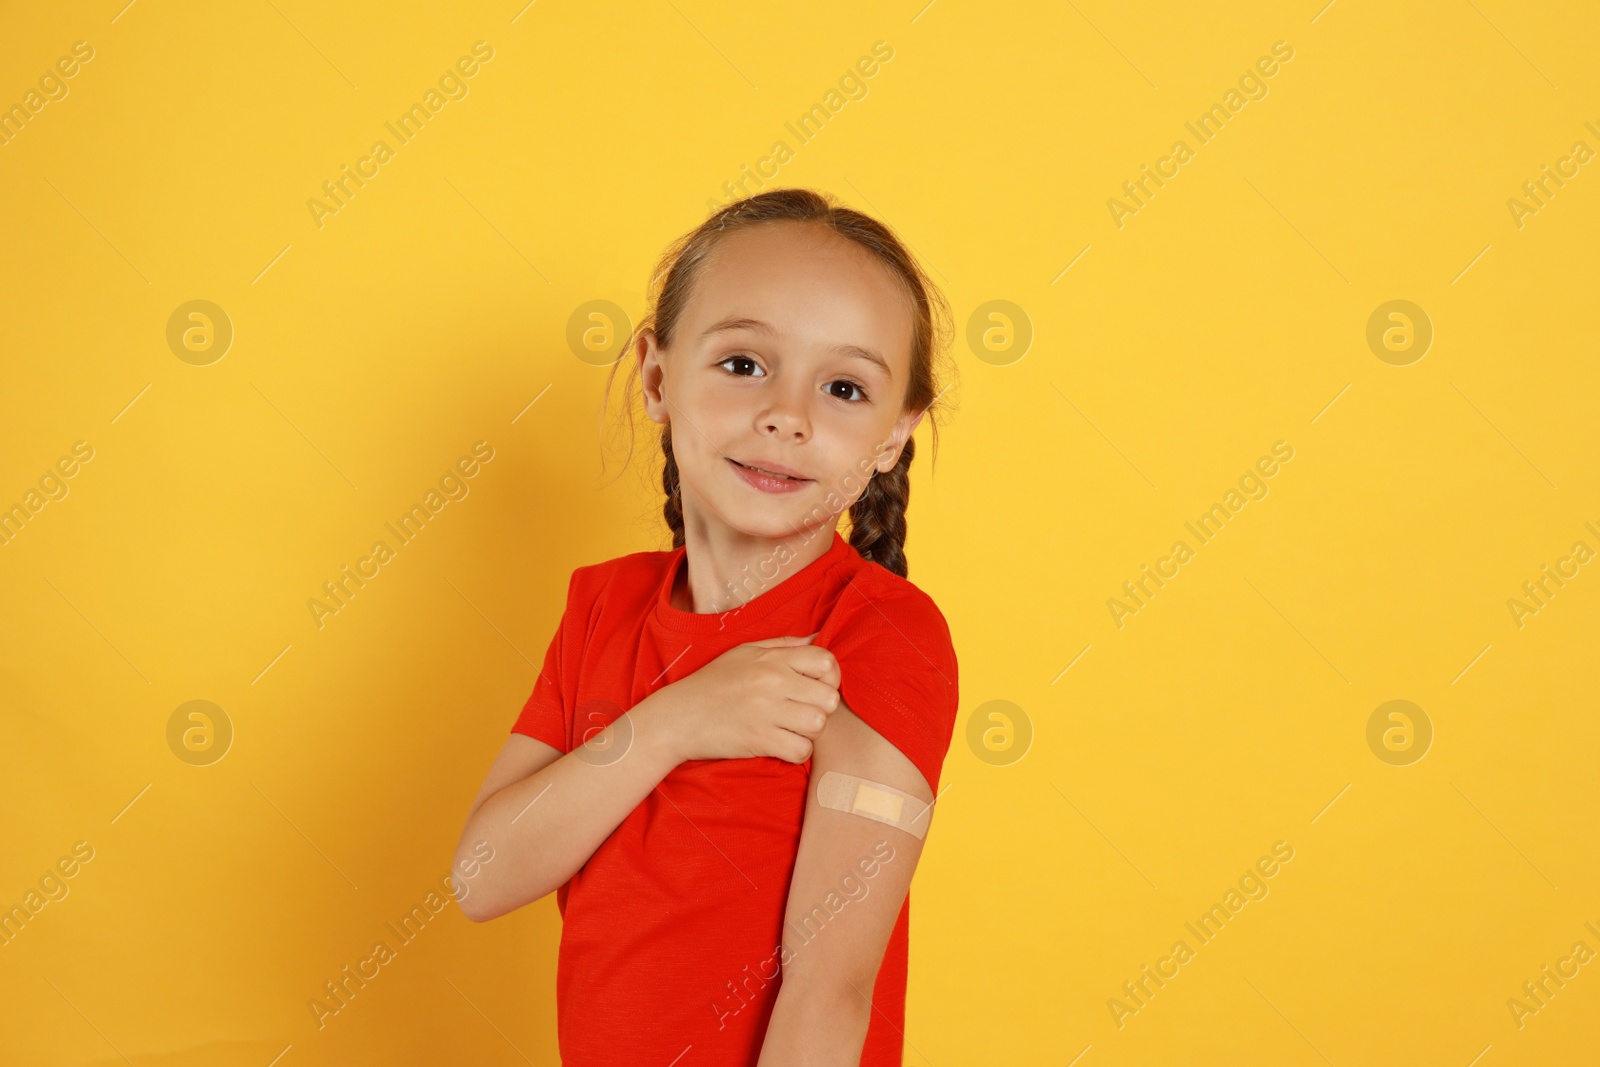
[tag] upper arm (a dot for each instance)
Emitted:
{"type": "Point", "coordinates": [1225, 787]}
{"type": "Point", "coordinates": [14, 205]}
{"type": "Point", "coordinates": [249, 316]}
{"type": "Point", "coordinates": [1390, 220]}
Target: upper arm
{"type": "Point", "coordinates": [851, 873]}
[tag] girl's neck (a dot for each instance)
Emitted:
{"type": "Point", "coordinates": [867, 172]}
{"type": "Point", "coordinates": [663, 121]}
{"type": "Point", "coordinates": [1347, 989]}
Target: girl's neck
{"type": "Point", "coordinates": [725, 569]}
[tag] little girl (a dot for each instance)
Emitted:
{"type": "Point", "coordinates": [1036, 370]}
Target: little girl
{"type": "Point", "coordinates": [663, 777]}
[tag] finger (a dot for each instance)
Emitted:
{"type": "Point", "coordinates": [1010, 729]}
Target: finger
{"type": "Point", "coordinates": [807, 720]}
{"type": "Point", "coordinates": [814, 662]}
{"type": "Point", "coordinates": [812, 693]}
{"type": "Point", "coordinates": [790, 746]}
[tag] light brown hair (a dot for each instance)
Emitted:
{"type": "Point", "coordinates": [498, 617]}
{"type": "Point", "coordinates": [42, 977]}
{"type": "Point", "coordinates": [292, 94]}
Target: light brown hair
{"type": "Point", "coordinates": [878, 517]}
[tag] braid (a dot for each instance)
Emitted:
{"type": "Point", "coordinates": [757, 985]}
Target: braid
{"type": "Point", "coordinates": [672, 510]}
{"type": "Point", "coordinates": [878, 517]}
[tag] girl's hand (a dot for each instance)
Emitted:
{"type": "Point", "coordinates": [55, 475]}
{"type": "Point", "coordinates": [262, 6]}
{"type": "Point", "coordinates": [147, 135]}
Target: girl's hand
{"type": "Point", "coordinates": [763, 698]}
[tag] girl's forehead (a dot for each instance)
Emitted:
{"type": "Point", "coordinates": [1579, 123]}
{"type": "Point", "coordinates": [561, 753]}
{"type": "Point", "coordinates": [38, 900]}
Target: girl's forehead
{"type": "Point", "coordinates": [804, 282]}
{"type": "Point", "coordinates": [785, 241]}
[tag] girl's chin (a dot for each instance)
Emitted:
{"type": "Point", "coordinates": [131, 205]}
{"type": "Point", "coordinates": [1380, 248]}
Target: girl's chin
{"type": "Point", "coordinates": [773, 521]}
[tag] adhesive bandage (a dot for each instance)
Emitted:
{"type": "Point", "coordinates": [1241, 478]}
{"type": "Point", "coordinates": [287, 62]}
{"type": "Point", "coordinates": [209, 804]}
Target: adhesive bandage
{"type": "Point", "coordinates": [873, 800]}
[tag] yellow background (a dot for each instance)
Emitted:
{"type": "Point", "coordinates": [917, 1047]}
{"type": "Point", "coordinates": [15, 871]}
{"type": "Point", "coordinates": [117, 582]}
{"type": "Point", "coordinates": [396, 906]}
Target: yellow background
{"type": "Point", "coordinates": [1228, 314]}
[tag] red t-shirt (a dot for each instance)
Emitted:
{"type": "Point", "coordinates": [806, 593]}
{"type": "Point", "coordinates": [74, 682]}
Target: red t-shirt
{"type": "Point", "coordinates": [671, 931]}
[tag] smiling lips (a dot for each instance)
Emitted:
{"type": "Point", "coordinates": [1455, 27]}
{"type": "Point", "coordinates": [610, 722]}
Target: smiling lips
{"type": "Point", "coordinates": [770, 477]}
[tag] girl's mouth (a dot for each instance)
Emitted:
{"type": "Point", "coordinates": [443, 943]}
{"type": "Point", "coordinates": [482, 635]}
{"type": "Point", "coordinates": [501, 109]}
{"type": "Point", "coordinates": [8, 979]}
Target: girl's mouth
{"type": "Point", "coordinates": [766, 481]}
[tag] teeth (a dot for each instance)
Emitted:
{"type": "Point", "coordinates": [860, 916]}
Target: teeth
{"type": "Point", "coordinates": [768, 473]}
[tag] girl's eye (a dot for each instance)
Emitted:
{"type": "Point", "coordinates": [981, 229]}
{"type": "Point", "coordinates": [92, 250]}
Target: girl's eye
{"type": "Point", "coordinates": [740, 359]}
{"type": "Point", "coordinates": [848, 384]}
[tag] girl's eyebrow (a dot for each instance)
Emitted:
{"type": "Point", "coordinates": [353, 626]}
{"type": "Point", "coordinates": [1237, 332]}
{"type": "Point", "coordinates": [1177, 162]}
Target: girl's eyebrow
{"type": "Point", "coordinates": [757, 326]}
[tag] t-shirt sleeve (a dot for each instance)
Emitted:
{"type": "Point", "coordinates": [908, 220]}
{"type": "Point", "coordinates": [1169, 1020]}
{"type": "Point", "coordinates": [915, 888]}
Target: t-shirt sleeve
{"type": "Point", "coordinates": [897, 671]}
{"type": "Point", "coordinates": [546, 716]}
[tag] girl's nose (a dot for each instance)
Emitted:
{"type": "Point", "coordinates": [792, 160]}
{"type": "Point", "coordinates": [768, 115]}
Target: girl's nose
{"type": "Point", "coordinates": [786, 418]}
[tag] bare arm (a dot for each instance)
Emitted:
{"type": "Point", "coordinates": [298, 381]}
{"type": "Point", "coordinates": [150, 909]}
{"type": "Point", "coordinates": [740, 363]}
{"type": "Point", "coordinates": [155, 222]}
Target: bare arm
{"type": "Point", "coordinates": [832, 958]}
{"type": "Point", "coordinates": [545, 813]}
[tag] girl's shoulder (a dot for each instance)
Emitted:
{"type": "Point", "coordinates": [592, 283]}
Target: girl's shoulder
{"type": "Point", "coordinates": [624, 568]}
{"type": "Point", "coordinates": [878, 587]}
{"type": "Point", "coordinates": [882, 609]}
{"type": "Point", "coordinates": [628, 577]}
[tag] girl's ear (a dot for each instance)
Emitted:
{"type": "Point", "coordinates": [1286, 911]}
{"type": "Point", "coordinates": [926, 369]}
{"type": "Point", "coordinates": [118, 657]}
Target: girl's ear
{"type": "Point", "coordinates": [903, 428]}
{"type": "Point", "coordinates": [652, 376]}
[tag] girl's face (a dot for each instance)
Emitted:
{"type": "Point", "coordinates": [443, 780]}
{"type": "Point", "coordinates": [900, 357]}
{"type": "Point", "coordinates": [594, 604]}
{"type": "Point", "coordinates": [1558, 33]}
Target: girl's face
{"type": "Point", "coordinates": [793, 355]}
